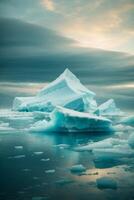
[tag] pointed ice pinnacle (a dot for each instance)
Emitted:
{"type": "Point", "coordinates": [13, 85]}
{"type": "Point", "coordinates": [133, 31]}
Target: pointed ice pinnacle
{"type": "Point", "coordinates": [66, 90]}
{"type": "Point", "coordinates": [108, 108]}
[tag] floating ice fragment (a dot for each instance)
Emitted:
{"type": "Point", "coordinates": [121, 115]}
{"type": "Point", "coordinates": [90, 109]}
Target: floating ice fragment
{"type": "Point", "coordinates": [26, 170]}
{"type": "Point", "coordinates": [106, 183]}
{"type": "Point", "coordinates": [38, 152]}
{"type": "Point", "coordinates": [77, 168]}
{"type": "Point", "coordinates": [128, 121]}
{"type": "Point", "coordinates": [18, 156]}
{"type": "Point", "coordinates": [131, 140]}
{"type": "Point", "coordinates": [50, 171]}
{"type": "Point", "coordinates": [45, 159]}
{"type": "Point", "coordinates": [62, 146]}
{"type": "Point", "coordinates": [63, 182]}
{"type": "Point", "coordinates": [18, 147]}
{"type": "Point", "coordinates": [113, 154]}
{"type": "Point", "coordinates": [103, 144]}
{"type": "Point", "coordinates": [5, 126]}
{"type": "Point", "coordinates": [108, 108]}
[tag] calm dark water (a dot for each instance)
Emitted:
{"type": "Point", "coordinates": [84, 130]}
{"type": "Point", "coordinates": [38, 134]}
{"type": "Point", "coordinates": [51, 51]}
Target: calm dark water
{"type": "Point", "coordinates": [25, 159]}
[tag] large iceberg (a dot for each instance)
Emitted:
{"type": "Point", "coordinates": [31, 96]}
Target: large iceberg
{"type": "Point", "coordinates": [108, 108]}
{"type": "Point", "coordinates": [67, 120]}
{"type": "Point", "coordinates": [66, 91]}
{"type": "Point", "coordinates": [66, 105]}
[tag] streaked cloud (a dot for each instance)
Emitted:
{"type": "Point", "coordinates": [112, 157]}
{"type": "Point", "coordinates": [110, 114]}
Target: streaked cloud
{"type": "Point", "coordinates": [39, 39]}
{"type": "Point", "coordinates": [48, 4]}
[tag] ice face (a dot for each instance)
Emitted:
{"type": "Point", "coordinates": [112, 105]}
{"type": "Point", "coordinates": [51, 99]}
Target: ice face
{"type": "Point", "coordinates": [67, 120]}
{"type": "Point", "coordinates": [65, 91]}
{"type": "Point", "coordinates": [108, 108]}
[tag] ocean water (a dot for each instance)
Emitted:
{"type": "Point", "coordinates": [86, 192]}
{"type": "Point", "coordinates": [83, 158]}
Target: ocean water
{"type": "Point", "coordinates": [38, 166]}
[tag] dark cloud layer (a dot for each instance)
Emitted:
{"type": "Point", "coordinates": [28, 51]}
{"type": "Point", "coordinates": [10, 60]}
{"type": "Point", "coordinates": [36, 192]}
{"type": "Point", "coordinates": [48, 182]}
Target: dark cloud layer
{"type": "Point", "coordinates": [17, 33]}
{"type": "Point", "coordinates": [31, 53]}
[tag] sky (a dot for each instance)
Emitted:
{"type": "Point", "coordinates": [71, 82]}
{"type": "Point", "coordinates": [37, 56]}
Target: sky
{"type": "Point", "coordinates": [94, 39]}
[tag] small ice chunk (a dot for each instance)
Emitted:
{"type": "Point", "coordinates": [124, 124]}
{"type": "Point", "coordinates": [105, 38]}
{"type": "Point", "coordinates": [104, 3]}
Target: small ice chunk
{"type": "Point", "coordinates": [106, 143]}
{"type": "Point", "coordinates": [18, 147]}
{"type": "Point", "coordinates": [123, 128]}
{"type": "Point", "coordinates": [77, 168]}
{"type": "Point", "coordinates": [128, 121]}
{"type": "Point", "coordinates": [63, 182]}
{"type": "Point", "coordinates": [62, 146]}
{"type": "Point", "coordinates": [106, 183]}
{"type": "Point", "coordinates": [115, 153]}
{"type": "Point", "coordinates": [4, 126]}
{"type": "Point", "coordinates": [35, 178]}
{"type": "Point", "coordinates": [131, 140]}
{"type": "Point", "coordinates": [38, 152]}
{"type": "Point", "coordinates": [50, 171]}
{"type": "Point", "coordinates": [19, 156]}
{"type": "Point", "coordinates": [45, 159]}
{"type": "Point", "coordinates": [26, 170]}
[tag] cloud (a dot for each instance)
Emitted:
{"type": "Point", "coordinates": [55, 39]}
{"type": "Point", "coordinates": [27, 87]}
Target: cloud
{"type": "Point", "coordinates": [20, 34]}
{"type": "Point", "coordinates": [49, 5]}
{"type": "Point", "coordinates": [99, 24]}
{"type": "Point", "coordinates": [105, 24]}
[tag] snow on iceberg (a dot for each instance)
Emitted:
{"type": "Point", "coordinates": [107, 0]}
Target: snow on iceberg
{"type": "Point", "coordinates": [108, 108]}
{"type": "Point", "coordinates": [67, 120]}
{"type": "Point", "coordinates": [66, 91]}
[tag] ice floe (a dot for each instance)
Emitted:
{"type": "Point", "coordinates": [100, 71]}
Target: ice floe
{"type": "Point", "coordinates": [67, 120]}
{"type": "Point", "coordinates": [77, 168]}
{"type": "Point", "coordinates": [106, 183]}
{"type": "Point", "coordinates": [50, 171]}
{"type": "Point", "coordinates": [128, 121]}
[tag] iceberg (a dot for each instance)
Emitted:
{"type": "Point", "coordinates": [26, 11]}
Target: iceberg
{"type": "Point", "coordinates": [67, 120]}
{"type": "Point", "coordinates": [66, 91]}
{"type": "Point", "coordinates": [108, 108]}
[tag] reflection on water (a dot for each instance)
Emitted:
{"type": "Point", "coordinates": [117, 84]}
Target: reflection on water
{"type": "Point", "coordinates": [37, 167]}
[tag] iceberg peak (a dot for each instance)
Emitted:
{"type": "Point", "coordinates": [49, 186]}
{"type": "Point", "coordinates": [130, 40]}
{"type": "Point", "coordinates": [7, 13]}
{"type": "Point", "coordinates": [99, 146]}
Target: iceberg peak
{"type": "Point", "coordinates": [66, 90]}
{"type": "Point", "coordinates": [71, 81]}
{"type": "Point", "coordinates": [67, 73]}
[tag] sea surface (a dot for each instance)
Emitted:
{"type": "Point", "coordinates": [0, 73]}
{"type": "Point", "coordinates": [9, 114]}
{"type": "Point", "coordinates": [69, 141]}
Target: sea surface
{"type": "Point", "coordinates": [38, 166]}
